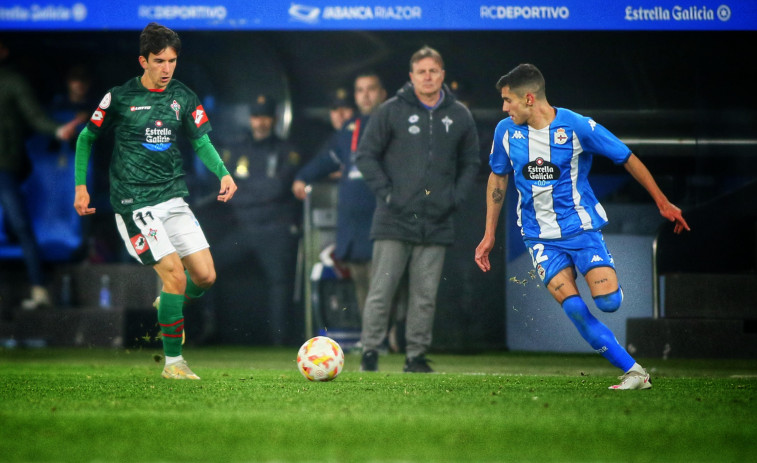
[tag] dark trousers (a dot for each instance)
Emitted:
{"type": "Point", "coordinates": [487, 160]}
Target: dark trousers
{"type": "Point", "coordinates": [15, 212]}
{"type": "Point", "coordinates": [254, 291]}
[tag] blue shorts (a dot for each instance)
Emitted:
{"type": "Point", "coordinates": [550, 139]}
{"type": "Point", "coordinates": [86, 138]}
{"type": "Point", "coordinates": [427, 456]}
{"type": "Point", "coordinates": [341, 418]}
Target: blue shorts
{"type": "Point", "coordinates": [584, 251]}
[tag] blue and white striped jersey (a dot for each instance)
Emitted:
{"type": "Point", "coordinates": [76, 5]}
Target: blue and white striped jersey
{"type": "Point", "coordinates": [550, 170]}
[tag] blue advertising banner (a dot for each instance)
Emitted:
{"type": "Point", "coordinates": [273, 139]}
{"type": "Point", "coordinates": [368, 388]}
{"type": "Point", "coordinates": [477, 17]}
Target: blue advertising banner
{"type": "Point", "coordinates": [707, 15]}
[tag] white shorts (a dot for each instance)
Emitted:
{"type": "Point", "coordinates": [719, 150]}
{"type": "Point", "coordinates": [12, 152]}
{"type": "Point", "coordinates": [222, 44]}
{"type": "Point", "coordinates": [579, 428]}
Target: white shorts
{"type": "Point", "coordinates": [153, 232]}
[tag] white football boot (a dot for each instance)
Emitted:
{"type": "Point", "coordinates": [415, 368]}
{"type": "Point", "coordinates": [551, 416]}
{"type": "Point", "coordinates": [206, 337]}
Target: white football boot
{"type": "Point", "coordinates": [633, 380]}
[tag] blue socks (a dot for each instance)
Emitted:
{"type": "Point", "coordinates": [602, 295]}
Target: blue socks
{"type": "Point", "coordinates": [596, 333]}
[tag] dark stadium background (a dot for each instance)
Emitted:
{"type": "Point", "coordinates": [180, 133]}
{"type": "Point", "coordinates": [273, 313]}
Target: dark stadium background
{"type": "Point", "coordinates": [686, 98]}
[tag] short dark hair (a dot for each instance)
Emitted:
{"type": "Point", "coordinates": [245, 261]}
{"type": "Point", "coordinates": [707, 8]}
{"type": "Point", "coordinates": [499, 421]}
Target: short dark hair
{"type": "Point", "coordinates": [156, 38]}
{"type": "Point", "coordinates": [426, 52]}
{"type": "Point", "coordinates": [524, 77]}
{"type": "Point", "coordinates": [369, 73]}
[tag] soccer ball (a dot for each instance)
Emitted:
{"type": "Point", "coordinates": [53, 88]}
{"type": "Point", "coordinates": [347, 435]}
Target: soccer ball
{"type": "Point", "coordinates": [320, 359]}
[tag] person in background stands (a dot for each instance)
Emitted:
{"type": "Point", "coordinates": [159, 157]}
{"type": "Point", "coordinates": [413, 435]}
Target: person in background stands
{"type": "Point", "coordinates": [19, 109]}
{"type": "Point", "coordinates": [356, 202]}
{"type": "Point", "coordinates": [259, 246]}
{"type": "Point", "coordinates": [341, 109]}
{"type": "Point", "coordinates": [419, 155]}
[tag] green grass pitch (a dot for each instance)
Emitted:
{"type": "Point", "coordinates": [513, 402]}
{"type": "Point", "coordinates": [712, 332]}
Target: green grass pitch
{"type": "Point", "coordinates": [101, 405]}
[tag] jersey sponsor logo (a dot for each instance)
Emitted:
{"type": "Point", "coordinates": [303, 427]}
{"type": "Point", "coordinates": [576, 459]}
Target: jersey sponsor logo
{"type": "Point", "coordinates": [139, 108]}
{"type": "Point", "coordinates": [97, 117]}
{"type": "Point", "coordinates": [447, 122]}
{"type": "Point", "coordinates": [413, 119]}
{"type": "Point", "coordinates": [560, 136]}
{"type": "Point", "coordinates": [200, 116]}
{"type": "Point", "coordinates": [139, 243]}
{"type": "Point", "coordinates": [541, 171]}
{"type": "Point", "coordinates": [414, 129]}
{"type": "Point", "coordinates": [105, 102]}
{"type": "Point", "coordinates": [592, 124]}
{"type": "Point", "coordinates": [158, 139]}
{"type": "Point", "coordinates": [157, 146]}
{"type": "Point", "coordinates": [518, 135]}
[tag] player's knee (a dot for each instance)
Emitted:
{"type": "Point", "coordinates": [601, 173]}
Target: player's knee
{"type": "Point", "coordinates": [206, 279]}
{"type": "Point", "coordinates": [174, 282]}
{"type": "Point", "coordinates": [609, 302]}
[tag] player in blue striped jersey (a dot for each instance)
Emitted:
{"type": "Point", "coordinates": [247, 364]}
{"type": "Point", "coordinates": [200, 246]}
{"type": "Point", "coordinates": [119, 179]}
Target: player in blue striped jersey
{"type": "Point", "coordinates": [549, 152]}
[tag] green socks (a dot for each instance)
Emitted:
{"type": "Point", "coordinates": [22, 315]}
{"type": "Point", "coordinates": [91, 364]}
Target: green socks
{"type": "Point", "coordinates": [171, 320]}
{"type": "Point", "coordinates": [171, 316]}
{"type": "Point", "coordinates": [193, 291]}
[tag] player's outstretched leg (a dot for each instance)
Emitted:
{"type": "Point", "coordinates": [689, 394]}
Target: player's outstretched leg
{"type": "Point", "coordinates": [604, 342]}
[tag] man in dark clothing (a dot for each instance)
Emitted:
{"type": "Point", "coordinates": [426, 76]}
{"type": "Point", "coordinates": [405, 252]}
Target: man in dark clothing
{"type": "Point", "coordinates": [419, 155]}
{"type": "Point", "coordinates": [356, 201]}
{"type": "Point", "coordinates": [257, 248]}
{"type": "Point", "coordinates": [19, 109]}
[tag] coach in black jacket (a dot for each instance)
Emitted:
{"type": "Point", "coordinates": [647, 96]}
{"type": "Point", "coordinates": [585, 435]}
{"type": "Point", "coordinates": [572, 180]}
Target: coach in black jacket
{"type": "Point", "coordinates": [419, 155]}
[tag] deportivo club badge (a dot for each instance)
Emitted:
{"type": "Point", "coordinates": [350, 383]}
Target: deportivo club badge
{"type": "Point", "coordinates": [560, 136]}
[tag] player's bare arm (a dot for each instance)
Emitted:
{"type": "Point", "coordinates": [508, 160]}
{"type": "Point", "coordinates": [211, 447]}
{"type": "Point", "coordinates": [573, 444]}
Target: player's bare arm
{"type": "Point", "coordinates": [495, 198]}
{"type": "Point", "coordinates": [670, 211]}
{"type": "Point", "coordinates": [228, 188]}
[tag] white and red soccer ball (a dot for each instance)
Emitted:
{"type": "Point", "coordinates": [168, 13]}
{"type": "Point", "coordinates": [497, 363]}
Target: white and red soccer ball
{"type": "Point", "coordinates": [320, 359]}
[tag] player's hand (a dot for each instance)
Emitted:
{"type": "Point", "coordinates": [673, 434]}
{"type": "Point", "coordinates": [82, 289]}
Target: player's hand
{"type": "Point", "coordinates": [67, 130]}
{"type": "Point", "coordinates": [673, 214]}
{"type": "Point", "coordinates": [482, 253]}
{"type": "Point", "coordinates": [299, 189]}
{"type": "Point", "coordinates": [228, 188]}
{"type": "Point", "coordinates": [81, 201]}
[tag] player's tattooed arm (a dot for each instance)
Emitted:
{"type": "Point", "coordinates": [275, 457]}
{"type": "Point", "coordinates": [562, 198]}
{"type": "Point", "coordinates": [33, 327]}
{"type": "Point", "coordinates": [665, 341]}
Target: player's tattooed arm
{"type": "Point", "coordinates": [495, 190]}
{"type": "Point", "coordinates": [498, 195]}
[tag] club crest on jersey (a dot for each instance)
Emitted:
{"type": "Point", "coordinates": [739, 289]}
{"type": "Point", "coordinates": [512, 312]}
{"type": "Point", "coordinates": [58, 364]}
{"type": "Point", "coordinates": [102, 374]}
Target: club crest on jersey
{"type": "Point", "coordinates": [176, 108]}
{"type": "Point", "coordinates": [540, 171]}
{"type": "Point", "coordinates": [541, 272]}
{"type": "Point", "coordinates": [560, 136]}
{"type": "Point", "coordinates": [447, 122]}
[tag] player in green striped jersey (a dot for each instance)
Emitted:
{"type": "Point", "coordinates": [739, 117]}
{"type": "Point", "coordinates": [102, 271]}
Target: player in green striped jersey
{"type": "Point", "coordinates": [147, 181]}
